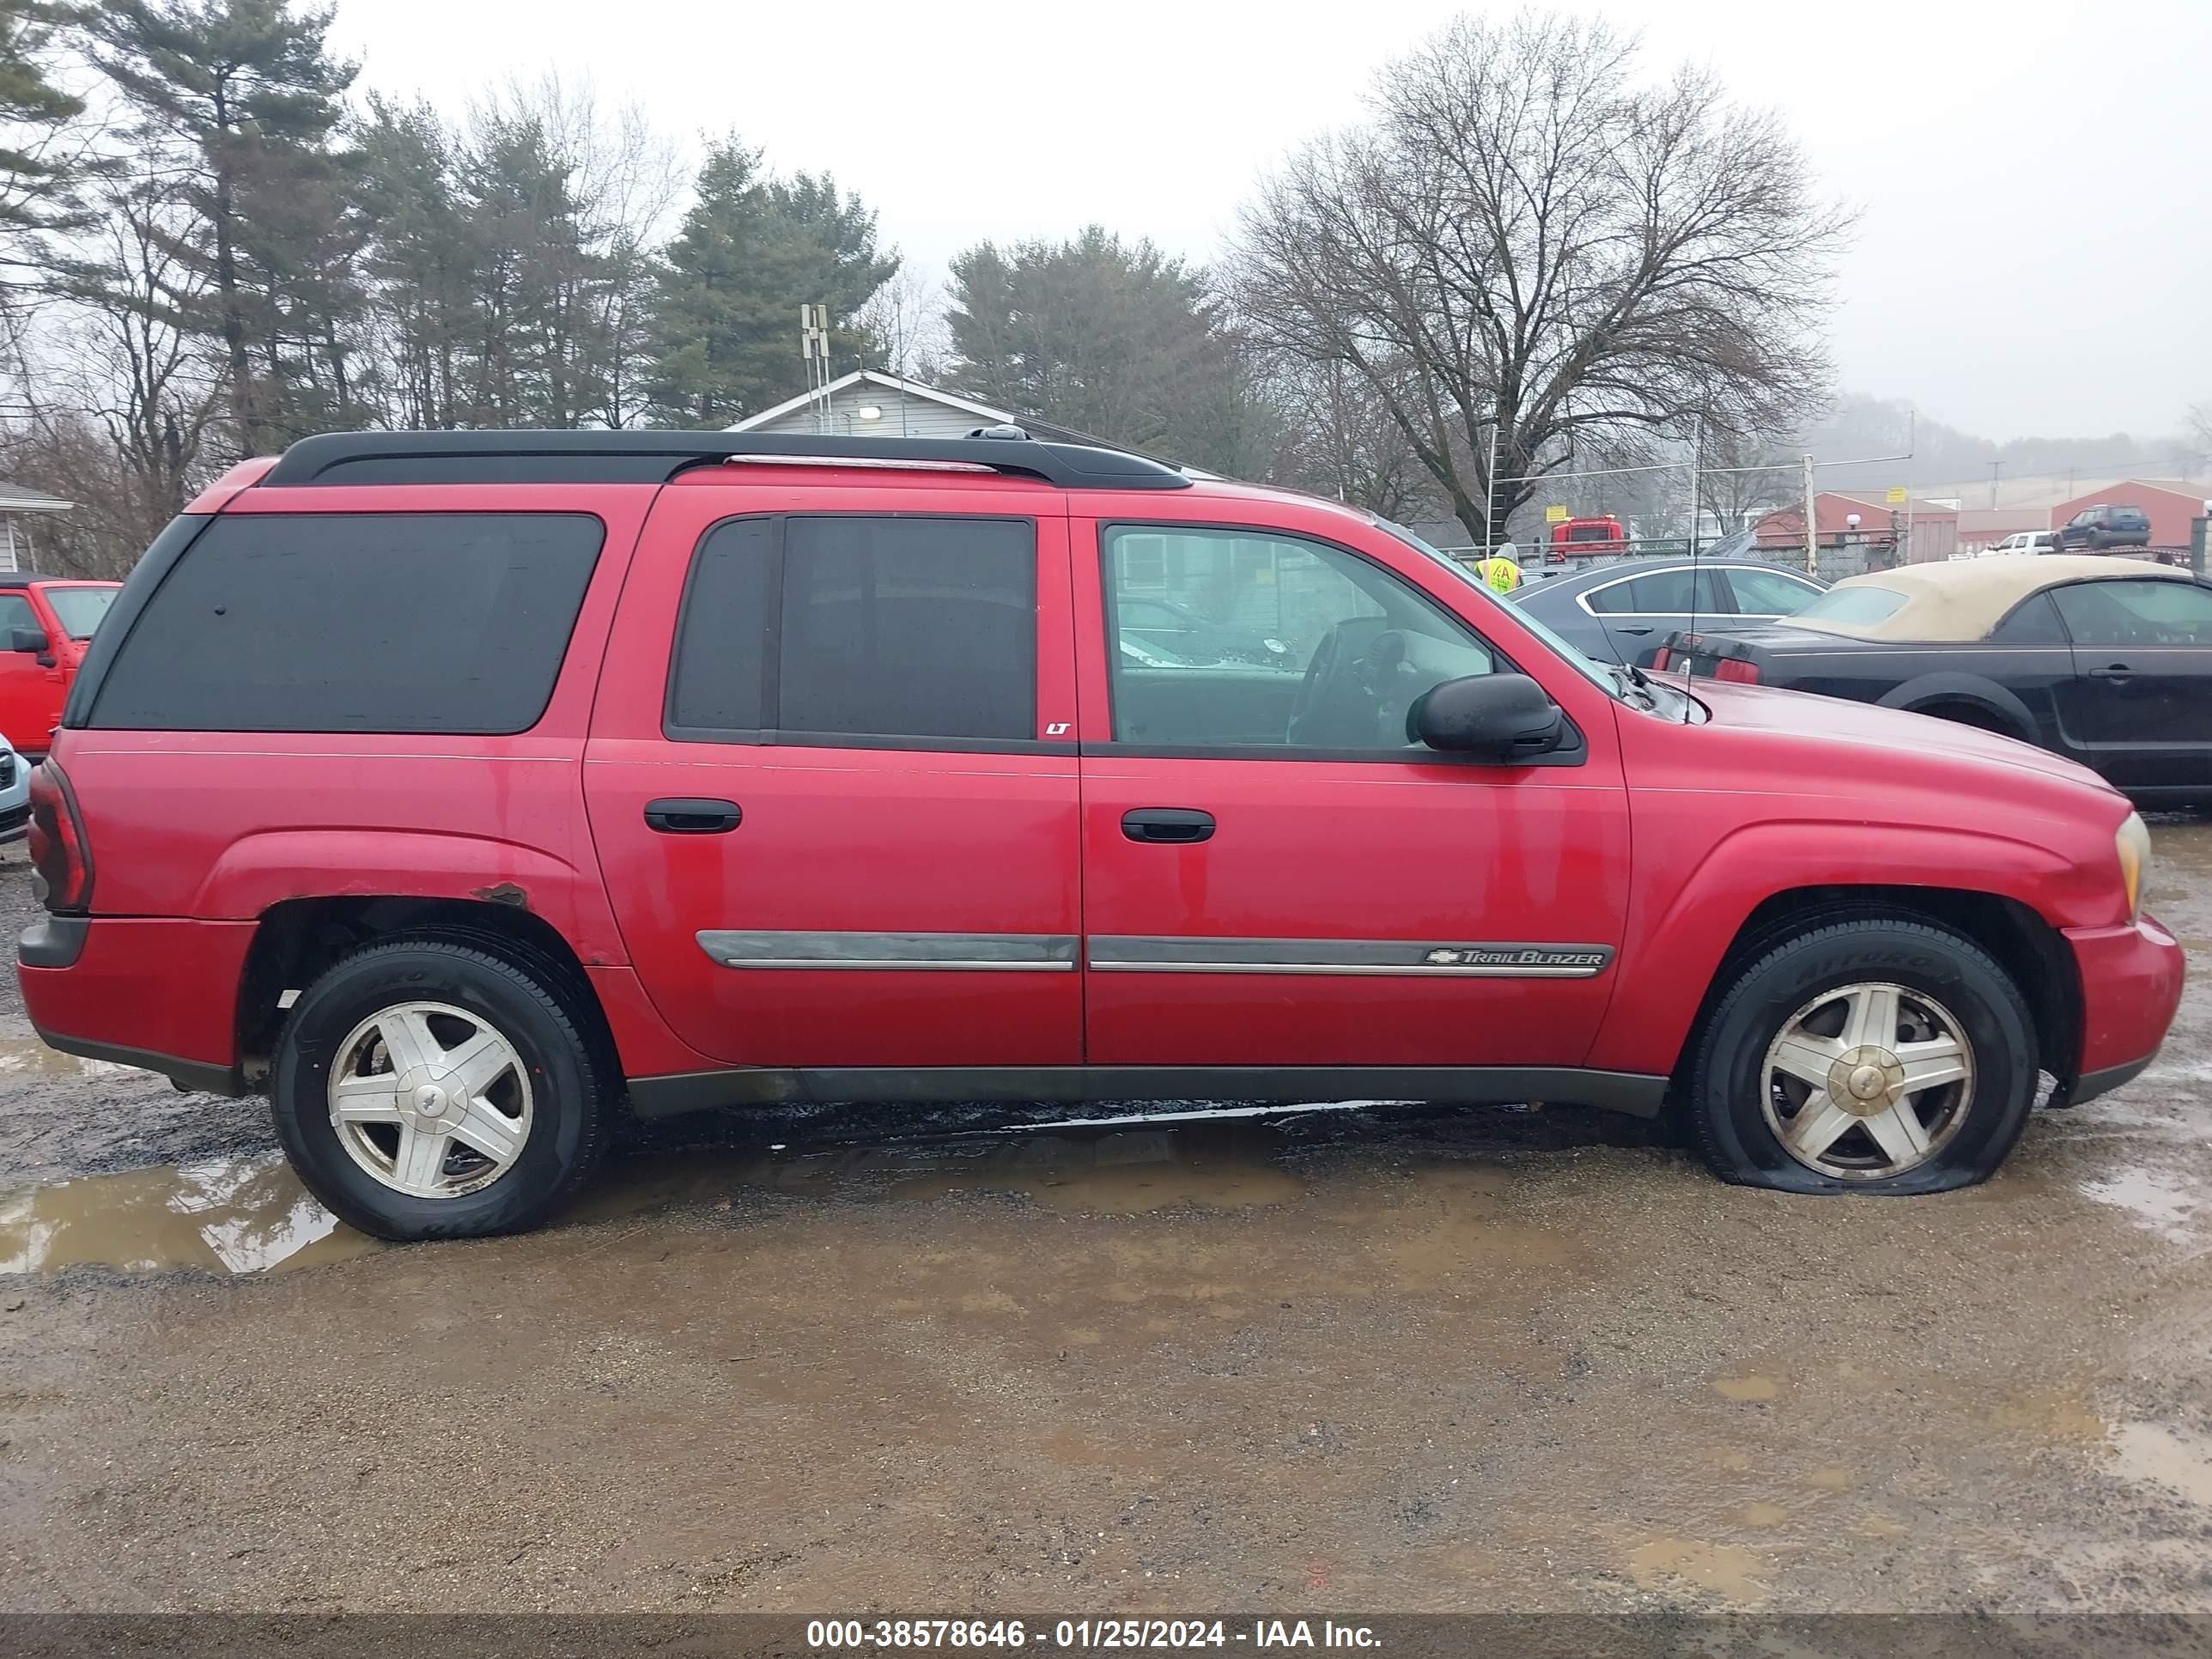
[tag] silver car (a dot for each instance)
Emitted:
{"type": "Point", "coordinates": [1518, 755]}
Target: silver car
{"type": "Point", "coordinates": [15, 793]}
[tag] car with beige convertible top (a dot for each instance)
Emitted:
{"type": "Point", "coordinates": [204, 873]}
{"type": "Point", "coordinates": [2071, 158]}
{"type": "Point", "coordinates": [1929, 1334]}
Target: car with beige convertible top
{"type": "Point", "coordinates": [2106, 661]}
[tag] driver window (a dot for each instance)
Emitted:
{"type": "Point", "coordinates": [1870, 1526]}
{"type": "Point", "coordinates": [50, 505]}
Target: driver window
{"type": "Point", "coordinates": [2137, 613]}
{"type": "Point", "coordinates": [1229, 639]}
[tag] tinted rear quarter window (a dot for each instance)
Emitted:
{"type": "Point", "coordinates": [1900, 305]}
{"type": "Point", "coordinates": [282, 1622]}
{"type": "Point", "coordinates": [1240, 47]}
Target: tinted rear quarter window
{"type": "Point", "coordinates": [367, 622]}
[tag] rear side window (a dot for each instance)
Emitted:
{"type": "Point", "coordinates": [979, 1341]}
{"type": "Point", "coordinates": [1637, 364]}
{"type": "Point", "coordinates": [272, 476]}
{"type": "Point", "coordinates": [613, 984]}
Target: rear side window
{"type": "Point", "coordinates": [356, 621]}
{"type": "Point", "coordinates": [1663, 593]}
{"type": "Point", "coordinates": [2034, 620]}
{"type": "Point", "coordinates": [907, 629]}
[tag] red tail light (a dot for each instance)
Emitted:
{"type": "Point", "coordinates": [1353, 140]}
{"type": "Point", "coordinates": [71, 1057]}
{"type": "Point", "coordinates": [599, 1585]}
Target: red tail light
{"type": "Point", "coordinates": [1660, 659]}
{"type": "Point", "coordinates": [55, 844]}
{"type": "Point", "coordinates": [1735, 668]}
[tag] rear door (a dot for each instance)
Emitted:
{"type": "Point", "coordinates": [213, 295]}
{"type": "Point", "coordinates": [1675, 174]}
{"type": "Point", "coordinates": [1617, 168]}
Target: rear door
{"type": "Point", "coordinates": [1639, 613]}
{"type": "Point", "coordinates": [2142, 654]}
{"type": "Point", "coordinates": [1273, 876]}
{"type": "Point", "coordinates": [840, 829]}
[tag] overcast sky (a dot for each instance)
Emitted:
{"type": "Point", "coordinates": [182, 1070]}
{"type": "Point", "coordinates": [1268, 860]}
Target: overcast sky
{"type": "Point", "coordinates": [2034, 257]}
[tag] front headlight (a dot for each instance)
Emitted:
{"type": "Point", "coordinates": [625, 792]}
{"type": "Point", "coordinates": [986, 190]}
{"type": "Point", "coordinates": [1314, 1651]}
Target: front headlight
{"type": "Point", "coordinates": [2132, 842]}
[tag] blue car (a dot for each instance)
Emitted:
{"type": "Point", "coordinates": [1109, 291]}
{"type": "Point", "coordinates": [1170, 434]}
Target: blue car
{"type": "Point", "coordinates": [1623, 609]}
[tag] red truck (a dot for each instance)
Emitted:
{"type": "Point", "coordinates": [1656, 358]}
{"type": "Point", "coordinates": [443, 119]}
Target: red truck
{"type": "Point", "coordinates": [462, 790]}
{"type": "Point", "coordinates": [45, 623]}
{"type": "Point", "coordinates": [1585, 538]}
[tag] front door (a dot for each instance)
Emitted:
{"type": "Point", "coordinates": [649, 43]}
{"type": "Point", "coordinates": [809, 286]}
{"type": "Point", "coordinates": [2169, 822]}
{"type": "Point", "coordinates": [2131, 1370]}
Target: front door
{"type": "Point", "coordinates": [840, 830]}
{"type": "Point", "coordinates": [2143, 659]}
{"type": "Point", "coordinates": [1275, 878]}
{"type": "Point", "coordinates": [31, 686]}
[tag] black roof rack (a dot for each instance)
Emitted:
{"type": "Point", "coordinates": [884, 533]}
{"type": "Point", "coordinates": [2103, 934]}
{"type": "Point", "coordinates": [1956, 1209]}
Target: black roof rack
{"type": "Point", "coordinates": [417, 457]}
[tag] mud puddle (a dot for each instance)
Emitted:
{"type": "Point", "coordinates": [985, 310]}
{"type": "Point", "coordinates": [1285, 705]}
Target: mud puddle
{"type": "Point", "coordinates": [28, 1057]}
{"type": "Point", "coordinates": [251, 1215]}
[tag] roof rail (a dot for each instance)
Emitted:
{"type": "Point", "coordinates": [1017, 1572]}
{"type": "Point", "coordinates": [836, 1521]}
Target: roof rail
{"type": "Point", "coordinates": [419, 458]}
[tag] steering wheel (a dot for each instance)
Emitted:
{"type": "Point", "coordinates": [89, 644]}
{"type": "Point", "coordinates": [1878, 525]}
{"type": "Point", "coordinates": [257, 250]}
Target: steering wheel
{"type": "Point", "coordinates": [1338, 702]}
{"type": "Point", "coordinates": [1321, 666]}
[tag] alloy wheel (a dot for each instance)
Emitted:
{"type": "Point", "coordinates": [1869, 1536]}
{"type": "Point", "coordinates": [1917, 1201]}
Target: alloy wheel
{"type": "Point", "coordinates": [430, 1100]}
{"type": "Point", "coordinates": [1868, 1081]}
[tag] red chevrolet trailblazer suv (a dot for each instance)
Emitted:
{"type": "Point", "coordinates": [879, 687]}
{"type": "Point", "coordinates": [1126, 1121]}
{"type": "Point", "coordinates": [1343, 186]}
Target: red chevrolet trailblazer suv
{"type": "Point", "coordinates": [459, 789]}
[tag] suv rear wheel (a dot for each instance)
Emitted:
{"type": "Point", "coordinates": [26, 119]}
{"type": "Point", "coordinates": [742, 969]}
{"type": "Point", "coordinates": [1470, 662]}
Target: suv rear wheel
{"type": "Point", "coordinates": [424, 1089]}
{"type": "Point", "coordinates": [1873, 1055]}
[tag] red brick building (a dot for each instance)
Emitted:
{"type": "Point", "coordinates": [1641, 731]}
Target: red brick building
{"type": "Point", "coordinates": [1935, 526]}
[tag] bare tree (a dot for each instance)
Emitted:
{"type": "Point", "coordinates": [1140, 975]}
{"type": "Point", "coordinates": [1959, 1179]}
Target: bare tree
{"type": "Point", "coordinates": [1525, 238]}
{"type": "Point", "coordinates": [2200, 425]}
{"type": "Point", "coordinates": [1341, 439]}
{"type": "Point", "coordinates": [122, 392]}
{"type": "Point", "coordinates": [904, 323]}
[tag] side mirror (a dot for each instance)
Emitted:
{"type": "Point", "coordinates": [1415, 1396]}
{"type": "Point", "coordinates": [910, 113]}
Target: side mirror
{"type": "Point", "coordinates": [32, 640]}
{"type": "Point", "coordinates": [1503, 719]}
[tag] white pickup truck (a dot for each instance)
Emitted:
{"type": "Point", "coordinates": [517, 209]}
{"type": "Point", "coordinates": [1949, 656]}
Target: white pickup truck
{"type": "Point", "coordinates": [2023, 541]}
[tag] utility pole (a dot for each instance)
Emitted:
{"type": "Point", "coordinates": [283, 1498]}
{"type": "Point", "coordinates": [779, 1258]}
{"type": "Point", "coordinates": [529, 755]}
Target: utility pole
{"type": "Point", "coordinates": [814, 346]}
{"type": "Point", "coordinates": [1697, 446]}
{"type": "Point", "coordinates": [1996, 470]}
{"type": "Point", "coordinates": [1812, 554]}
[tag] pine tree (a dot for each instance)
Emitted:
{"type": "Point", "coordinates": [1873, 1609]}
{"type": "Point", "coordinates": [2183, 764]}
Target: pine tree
{"type": "Point", "coordinates": [749, 253]}
{"type": "Point", "coordinates": [250, 92]}
{"type": "Point", "coordinates": [38, 170]}
{"type": "Point", "coordinates": [1109, 338]}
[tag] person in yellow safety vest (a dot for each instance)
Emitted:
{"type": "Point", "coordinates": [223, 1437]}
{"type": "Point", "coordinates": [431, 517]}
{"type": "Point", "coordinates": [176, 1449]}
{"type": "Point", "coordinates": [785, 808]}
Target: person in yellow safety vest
{"type": "Point", "coordinates": [1501, 571]}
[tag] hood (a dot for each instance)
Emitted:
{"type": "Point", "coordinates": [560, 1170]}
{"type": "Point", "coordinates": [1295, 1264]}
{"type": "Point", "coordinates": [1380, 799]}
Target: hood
{"type": "Point", "coordinates": [1891, 731]}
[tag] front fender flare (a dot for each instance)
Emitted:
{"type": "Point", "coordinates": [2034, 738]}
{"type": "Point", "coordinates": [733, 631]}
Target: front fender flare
{"type": "Point", "coordinates": [1676, 944]}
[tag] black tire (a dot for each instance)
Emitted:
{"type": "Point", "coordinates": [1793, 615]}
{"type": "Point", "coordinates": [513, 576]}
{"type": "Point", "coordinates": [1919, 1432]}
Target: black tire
{"type": "Point", "coordinates": [1724, 1096]}
{"type": "Point", "coordinates": [571, 1098]}
{"type": "Point", "coordinates": [1972, 715]}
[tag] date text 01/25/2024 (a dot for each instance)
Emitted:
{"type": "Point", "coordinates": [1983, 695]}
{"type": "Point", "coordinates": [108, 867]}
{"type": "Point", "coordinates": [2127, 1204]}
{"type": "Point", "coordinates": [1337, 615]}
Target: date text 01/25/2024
{"type": "Point", "coordinates": [1086, 1633]}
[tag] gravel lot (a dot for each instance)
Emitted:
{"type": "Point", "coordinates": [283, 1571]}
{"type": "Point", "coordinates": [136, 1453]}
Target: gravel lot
{"type": "Point", "coordinates": [1389, 1359]}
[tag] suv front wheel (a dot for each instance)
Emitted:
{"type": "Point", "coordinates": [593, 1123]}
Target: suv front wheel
{"type": "Point", "coordinates": [1876, 1056]}
{"type": "Point", "coordinates": [425, 1089]}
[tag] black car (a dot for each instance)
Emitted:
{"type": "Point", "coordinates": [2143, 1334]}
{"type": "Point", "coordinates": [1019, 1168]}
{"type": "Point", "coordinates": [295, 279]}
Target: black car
{"type": "Point", "coordinates": [1624, 610]}
{"type": "Point", "coordinates": [2106, 661]}
{"type": "Point", "coordinates": [1163, 625]}
{"type": "Point", "coordinates": [2099, 527]}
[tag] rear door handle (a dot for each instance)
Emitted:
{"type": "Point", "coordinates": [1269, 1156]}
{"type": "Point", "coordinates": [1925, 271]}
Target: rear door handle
{"type": "Point", "coordinates": [2114, 671]}
{"type": "Point", "coordinates": [1619, 630]}
{"type": "Point", "coordinates": [682, 816]}
{"type": "Point", "coordinates": [1175, 825]}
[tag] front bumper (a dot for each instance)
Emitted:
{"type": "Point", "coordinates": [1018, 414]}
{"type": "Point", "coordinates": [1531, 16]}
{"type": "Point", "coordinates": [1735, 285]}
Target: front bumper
{"type": "Point", "coordinates": [2131, 978]}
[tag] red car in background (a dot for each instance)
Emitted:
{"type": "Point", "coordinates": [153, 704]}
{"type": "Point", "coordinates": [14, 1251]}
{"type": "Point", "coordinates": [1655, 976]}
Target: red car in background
{"type": "Point", "coordinates": [46, 623]}
{"type": "Point", "coordinates": [1585, 537]}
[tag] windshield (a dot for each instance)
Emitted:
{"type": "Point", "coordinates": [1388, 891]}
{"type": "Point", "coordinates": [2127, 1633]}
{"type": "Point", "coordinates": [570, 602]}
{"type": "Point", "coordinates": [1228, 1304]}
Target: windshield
{"type": "Point", "coordinates": [79, 609]}
{"type": "Point", "coordinates": [1589, 671]}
